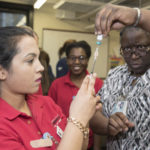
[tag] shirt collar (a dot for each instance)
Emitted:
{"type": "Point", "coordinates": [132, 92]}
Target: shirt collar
{"type": "Point", "coordinates": [144, 79]}
{"type": "Point", "coordinates": [8, 111]}
{"type": "Point", "coordinates": [67, 79]}
{"type": "Point", "coordinates": [11, 113]}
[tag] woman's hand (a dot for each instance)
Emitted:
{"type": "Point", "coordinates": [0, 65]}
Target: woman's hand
{"type": "Point", "coordinates": [84, 105]}
{"type": "Point", "coordinates": [114, 17]}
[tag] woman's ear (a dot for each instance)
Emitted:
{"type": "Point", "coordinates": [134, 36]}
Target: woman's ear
{"type": "Point", "coordinates": [2, 73]}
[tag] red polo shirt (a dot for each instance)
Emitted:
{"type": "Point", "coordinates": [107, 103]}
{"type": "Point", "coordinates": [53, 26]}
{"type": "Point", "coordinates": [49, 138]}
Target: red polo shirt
{"type": "Point", "coordinates": [63, 91]}
{"type": "Point", "coordinates": [17, 129]}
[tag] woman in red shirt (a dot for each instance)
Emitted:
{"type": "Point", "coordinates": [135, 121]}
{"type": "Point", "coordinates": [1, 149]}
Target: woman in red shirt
{"type": "Point", "coordinates": [32, 121]}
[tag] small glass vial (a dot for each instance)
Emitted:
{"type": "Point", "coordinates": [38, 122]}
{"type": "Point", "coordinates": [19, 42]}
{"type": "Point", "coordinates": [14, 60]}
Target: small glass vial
{"type": "Point", "coordinates": [99, 39]}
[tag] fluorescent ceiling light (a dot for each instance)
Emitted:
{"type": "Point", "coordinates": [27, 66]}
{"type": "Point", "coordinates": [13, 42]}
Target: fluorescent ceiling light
{"type": "Point", "coordinates": [58, 4]}
{"type": "Point", "coordinates": [39, 3]}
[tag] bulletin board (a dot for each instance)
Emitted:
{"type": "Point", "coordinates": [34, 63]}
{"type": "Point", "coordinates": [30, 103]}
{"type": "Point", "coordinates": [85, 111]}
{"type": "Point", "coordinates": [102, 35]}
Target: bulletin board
{"type": "Point", "coordinates": [53, 39]}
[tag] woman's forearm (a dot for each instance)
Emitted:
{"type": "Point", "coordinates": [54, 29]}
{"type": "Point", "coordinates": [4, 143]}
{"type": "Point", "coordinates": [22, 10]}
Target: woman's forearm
{"type": "Point", "coordinates": [72, 138]}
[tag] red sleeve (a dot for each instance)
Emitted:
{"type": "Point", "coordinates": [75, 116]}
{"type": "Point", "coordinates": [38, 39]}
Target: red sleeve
{"type": "Point", "coordinates": [8, 142]}
{"type": "Point", "coordinates": [98, 84]}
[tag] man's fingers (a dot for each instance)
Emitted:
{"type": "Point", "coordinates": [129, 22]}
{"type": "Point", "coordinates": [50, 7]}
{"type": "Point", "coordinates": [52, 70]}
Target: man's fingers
{"type": "Point", "coordinates": [112, 131]}
{"type": "Point", "coordinates": [125, 119]}
{"type": "Point", "coordinates": [115, 123]}
{"type": "Point", "coordinates": [99, 105]}
{"type": "Point", "coordinates": [98, 29]}
{"type": "Point", "coordinates": [130, 124]}
{"type": "Point", "coordinates": [104, 20]}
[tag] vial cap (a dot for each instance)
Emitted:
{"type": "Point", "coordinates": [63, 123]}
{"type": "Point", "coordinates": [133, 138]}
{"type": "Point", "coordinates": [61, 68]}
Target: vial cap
{"type": "Point", "coordinates": [99, 37]}
{"type": "Point", "coordinates": [98, 43]}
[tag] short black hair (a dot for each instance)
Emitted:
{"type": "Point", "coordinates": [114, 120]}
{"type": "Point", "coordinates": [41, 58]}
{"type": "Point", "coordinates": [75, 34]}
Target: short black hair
{"type": "Point", "coordinates": [9, 38]}
{"type": "Point", "coordinates": [131, 28]}
{"type": "Point", "coordinates": [80, 44]}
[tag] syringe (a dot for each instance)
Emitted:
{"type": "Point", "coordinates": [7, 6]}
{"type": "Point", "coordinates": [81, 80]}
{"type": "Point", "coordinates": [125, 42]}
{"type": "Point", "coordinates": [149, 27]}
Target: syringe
{"type": "Point", "coordinates": [99, 38]}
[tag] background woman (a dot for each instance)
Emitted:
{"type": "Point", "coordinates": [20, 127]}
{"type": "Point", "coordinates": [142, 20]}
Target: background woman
{"type": "Point", "coordinates": [62, 67]}
{"type": "Point", "coordinates": [47, 74]}
{"type": "Point", "coordinates": [63, 90]}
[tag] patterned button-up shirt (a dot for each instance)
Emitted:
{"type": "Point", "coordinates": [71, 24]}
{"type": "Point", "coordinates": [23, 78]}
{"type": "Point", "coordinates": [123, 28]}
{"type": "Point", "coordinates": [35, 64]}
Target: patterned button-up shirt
{"type": "Point", "coordinates": [118, 84]}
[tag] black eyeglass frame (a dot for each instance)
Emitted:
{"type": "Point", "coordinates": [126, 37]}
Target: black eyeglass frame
{"type": "Point", "coordinates": [139, 50]}
{"type": "Point", "coordinates": [80, 58]}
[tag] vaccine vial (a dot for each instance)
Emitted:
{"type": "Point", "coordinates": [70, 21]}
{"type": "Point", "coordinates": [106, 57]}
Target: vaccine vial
{"type": "Point", "coordinates": [98, 43]}
{"type": "Point", "coordinates": [99, 39]}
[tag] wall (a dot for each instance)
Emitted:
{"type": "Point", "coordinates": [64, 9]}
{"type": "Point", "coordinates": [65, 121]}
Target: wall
{"type": "Point", "coordinates": [114, 49]}
{"type": "Point", "coordinates": [58, 37]}
{"type": "Point", "coordinates": [45, 18]}
{"type": "Point", "coordinates": [114, 45]}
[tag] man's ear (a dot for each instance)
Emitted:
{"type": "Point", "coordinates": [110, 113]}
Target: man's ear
{"type": "Point", "coordinates": [3, 73]}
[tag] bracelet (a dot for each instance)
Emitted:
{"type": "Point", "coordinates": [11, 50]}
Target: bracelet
{"type": "Point", "coordinates": [83, 129]}
{"type": "Point", "coordinates": [138, 16]}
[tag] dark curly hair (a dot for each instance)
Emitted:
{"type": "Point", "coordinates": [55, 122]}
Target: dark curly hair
{"type": "Point", "coordinates": [80, 44]}
{"type": "Point", "coordinates": [62, 49]}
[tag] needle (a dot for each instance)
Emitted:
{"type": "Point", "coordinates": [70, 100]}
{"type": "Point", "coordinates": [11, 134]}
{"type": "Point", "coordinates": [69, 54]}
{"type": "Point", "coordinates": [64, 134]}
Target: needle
{"type": "Point", "coordinates": [95, 57]}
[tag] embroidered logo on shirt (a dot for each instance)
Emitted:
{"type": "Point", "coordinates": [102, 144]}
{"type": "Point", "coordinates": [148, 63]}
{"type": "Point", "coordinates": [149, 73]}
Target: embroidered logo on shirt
{"type": "Point", "coordinates": [59, 132]}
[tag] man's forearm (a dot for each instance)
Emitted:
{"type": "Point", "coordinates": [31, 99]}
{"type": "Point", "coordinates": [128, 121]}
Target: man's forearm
{"type": "Point", "coordinates": [145, 20]}
{"type": "Point", "coordinates": [99, 124]}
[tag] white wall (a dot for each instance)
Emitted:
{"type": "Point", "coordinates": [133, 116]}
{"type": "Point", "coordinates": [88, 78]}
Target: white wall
{"type": "Point", "coordinates": [45, 18]}
{"type": "Point", "coordinates": [54, 39]}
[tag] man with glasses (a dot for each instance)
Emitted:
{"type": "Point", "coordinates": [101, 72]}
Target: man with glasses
{"type": "Point", "coordinates": [126, 95]}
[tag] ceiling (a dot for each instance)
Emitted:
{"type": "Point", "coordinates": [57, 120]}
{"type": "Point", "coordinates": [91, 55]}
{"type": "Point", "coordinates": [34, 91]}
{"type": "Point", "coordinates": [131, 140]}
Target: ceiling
{"type": "Point", "coordinates": [87, 3]}
{"type": "Point", "coordinates": [83, 9]}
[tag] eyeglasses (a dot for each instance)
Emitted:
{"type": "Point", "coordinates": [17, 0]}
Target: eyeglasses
{"type": "Point", "coordinates": [139, 50]}
{"type": "Point", "coordinates": [80, 58]}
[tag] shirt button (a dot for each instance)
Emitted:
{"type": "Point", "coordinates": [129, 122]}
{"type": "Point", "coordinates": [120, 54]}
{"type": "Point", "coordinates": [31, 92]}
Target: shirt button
{"type": "Point", "coordinates": [29, 122]}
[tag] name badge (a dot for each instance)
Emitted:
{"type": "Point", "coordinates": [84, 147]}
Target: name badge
{"type": "Point", "coordinates": [59, 132]}
{"type": "Point", "coordinates": [41, 143]}
{"type": "Point", "coordinates": [121, 106]}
